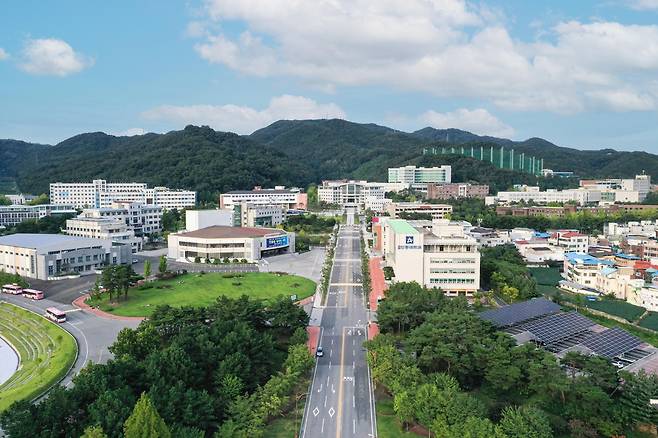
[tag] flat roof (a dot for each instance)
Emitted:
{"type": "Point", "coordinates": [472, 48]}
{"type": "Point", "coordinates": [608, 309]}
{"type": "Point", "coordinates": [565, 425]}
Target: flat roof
{"type": "Point", "coordinates": [400, 226]}
{"type": "Point", "coordinates": [45, 242]}
{"type": "Point", "coordinates": [225, 232]}
{"type": "Point", "coordinates": [265, 191]}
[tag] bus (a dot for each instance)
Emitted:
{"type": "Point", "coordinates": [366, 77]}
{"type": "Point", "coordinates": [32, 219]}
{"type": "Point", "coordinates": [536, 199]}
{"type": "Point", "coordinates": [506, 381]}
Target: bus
{"type": "Point", "coordinates": [33, 294]}
{"type": "Point", "coordinates": [56, 315]}
{"type": "Point", "coordinates": [13, 289]}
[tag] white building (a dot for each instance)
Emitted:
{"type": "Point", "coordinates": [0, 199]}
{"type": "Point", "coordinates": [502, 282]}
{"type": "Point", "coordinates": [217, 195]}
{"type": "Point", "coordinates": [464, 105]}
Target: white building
{"type": "Point", "coordinates": [364, 194]}
{"type": "Point", "coordinates": [539, 251]}
{"type": "Point", "coordinates": [219, 242]}
{"type": "Point", "coordinates": [533, 194]}
{"type": "Point", "coordinates": [254, 215]}
{"type": "Point", "coordinates": [47, 256]}
{"type": "Point", "coordinates": [290, 199]}
{"type": "Point", "coordinates": [621, 190]}
{"type": "Point", "coordinates": [420, 177]}
{"type": "Point", "coordinates": [488, 237]}
{"type": "Point", "coordinates": [583, 268]}
{"type": "Point", "coordinates": [443, 257]}
{"type": "Point", "coordinates": [20, 199]}
{"type": "Point", "coordinates": [570, 241]}
{"type": "Point", "coordinates": [645, 296]}
{"type": "Point", "coordinates": [642, 228]}
{"type": "Point", "coordinates": [11, 215]}
{"type": "Point", "coordinates": [99, 194]}
{"type": "Point", "coordinates": [143, 219]}
{"type": "Point", "coordinates": [436, 211]}
{"type": "Point", "coordinates": [198, 219]}
{"type": "Point", "coordinates": [113, 229]}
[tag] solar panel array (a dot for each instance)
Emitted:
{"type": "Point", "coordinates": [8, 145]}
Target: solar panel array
{"type": "Point", "coordinates": [556, 327]}
{"type": "Point", "coordinates": [520, 312]}
{"type": "Point", "coordinates": [611, 343]}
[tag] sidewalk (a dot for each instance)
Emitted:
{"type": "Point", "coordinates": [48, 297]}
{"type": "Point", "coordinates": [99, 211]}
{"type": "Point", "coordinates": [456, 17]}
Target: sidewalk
{"type": "Point", "coordinates": [313, 338]}
{"type": "Point", "coordinates": [80, 304]}
{"type": "Point", "coordinates": [378, 285]}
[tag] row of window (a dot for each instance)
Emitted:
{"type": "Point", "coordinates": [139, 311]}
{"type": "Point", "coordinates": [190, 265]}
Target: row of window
{"type": "Point", "coordinates": [452, 280]}
{"type": "Point", "coordinates": [451, 261]}
{"type": "Point", "coordinates": [452, 271]}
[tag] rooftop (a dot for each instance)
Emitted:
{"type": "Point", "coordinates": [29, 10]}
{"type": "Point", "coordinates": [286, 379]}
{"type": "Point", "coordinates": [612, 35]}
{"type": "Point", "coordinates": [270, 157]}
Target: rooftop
{"type": "Point", "coordinates": [400, 226]}
{"type": "Point", "coordinates": [45, 242]}
{"type": "Point", "coordinates": [225, 232]}
{"type": "Point", "coordinates": [586, 259]}
{"type": "Point", "coordinates": [263, 191]}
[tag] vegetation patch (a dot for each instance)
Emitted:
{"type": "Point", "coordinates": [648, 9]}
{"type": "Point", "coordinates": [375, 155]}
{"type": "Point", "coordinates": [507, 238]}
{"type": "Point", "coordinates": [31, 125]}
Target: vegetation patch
{"type": "Point", "coordinates": [203, 290]}
{"type": "Point", "coordinates": [46, 354]}
{"type": "Point", "coordinates": [650, 321]}
{"type": "Point", "coordinates": [618, 308]}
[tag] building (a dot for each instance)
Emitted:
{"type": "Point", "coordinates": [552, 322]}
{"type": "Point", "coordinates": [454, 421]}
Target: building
{"type": "Point", "coordinates": [254, 215]}
{"type": "Point", "coordinates": [570, 241]}
{"type": "Point", "coordinates": [582, 268]}
{"type": "Point", "coordinates": [621, 190]}
{"type": "Point", "coordinates": [642, 228]}
{"type": "Point", "coordinates": [362, 194]}
{"type": "Point", "coordinates": [525, 193]}
{"type": "Point", "coordinates": [100, 194]}
{"type": "Point", "coordinates": [143, 219]}
{"type": "Point", "coordinates": [20, 199]}
{"type": "Point", "coordinates": [457, 190]}
{"type": "Point", "coordinates": [441, 257]}
{"type": "Point", "coordinates": [47, 256]}
{"type": "Point", "coordinates": [420, 177]}
{"type": "Point", "coordinates": [220, 242]}
{"type": "Point", "coordinates": [11, 215]}
{"type": "Point", "coordinates": [436, 211]}
{"type": "Point", "coordinates": [105, 228]}
{"type": "Point", "coordinates": [198, 219]}
{"type": "Point", "coordinates": [535, 211]}
{"type": "Point", "coordinates": [290, 199]}
{"type": "Point", "coordinates": [488, 237]}
{"type": "Point", "coordinates": [539, 251]}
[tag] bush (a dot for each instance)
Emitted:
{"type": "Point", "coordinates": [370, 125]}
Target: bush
{"type": "Point", "coordinates": [197, 259]}
{"type": "Point", "coordinates": [236, 261]}
{"type": "Point", "coordinates": [244, 261]}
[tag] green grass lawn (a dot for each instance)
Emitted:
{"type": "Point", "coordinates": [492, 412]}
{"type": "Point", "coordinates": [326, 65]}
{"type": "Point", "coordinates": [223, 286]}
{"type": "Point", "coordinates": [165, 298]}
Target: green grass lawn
{"type": "Point", "coordinates": [546, 276]}
{"type": "Point", "coordinates": [46, 353]}
{"type": "Point", "coordinates": [200, 290]}
{"type": "Point", "coordinates": [650, 321]}
{"type": "Point", "coordinates": [619, 308]}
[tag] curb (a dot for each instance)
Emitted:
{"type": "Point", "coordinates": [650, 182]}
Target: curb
{"type": "Point", "coordinates": [80, 304]}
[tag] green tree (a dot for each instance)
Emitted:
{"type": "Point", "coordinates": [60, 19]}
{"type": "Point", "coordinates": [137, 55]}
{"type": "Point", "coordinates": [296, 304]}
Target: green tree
{"type": "Point", "coordinates": [94, 432]}
{"type": "Point", "coordinates": [404, 407]}
{"type": "Point", "coordinates": [145, 422]}
{"type": "Point", "coordinates": [4, 200]}
{"type": "Point", "coordinates": [525, 422]}
{"type": "Point", "coordinates": [39, 200]}
{"type": "Point", "coordinates": [147, 268]}
{"type": "Point", "coordinates": [162, 266]}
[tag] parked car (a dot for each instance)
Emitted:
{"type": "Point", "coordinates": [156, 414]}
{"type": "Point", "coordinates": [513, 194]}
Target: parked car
{"type": "Point", "coordinates": [319, 352]}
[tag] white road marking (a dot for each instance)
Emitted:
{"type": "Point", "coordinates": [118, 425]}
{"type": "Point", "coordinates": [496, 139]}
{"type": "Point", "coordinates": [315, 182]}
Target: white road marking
{"type": "Point", "coordinates": [325, 401]}
{"type": "Point", "coordinates": [321, 429]}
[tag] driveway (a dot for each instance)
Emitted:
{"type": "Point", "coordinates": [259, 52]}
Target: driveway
{"type": "Point", "coordinates": [307, 264]}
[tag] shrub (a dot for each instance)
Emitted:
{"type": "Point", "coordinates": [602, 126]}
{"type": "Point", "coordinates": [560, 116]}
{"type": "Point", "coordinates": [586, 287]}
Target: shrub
{"type": "Point", "coordinates": [197, 259]}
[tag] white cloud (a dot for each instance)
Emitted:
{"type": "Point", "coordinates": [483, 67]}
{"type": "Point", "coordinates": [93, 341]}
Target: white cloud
{"type": "Point", "coordinates": [51, 56]}
{"type": "Point", "coordinates": [3, 54]}
{"type": "Point", "coordinates": [445, 47]}
{"type": "Point", "coordinates": [130, 132]}
{"type": "Point", "coordinates": [478, 121]}
{"type": "Point", "coordinates": [642, 5]}
{"type": "Point", "coordinates": [244, 119]}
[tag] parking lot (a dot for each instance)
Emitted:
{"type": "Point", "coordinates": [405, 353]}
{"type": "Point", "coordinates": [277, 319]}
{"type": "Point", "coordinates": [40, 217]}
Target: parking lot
{"type": "Point", "coordinates": [307, 264]}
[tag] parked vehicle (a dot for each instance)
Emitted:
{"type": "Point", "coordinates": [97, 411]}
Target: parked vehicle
{"type": "Point", "coordinates": [12, 289]}
{"type": "Point", "coordinates": [33, 294]}
{"type": "Point", "coordinates": [55, 315]}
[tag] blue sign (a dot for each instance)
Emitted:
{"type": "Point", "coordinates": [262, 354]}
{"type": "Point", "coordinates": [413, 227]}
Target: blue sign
{"type": "Point", "coordinates": [409, 240]}
{"type": "Point", "coordinates": [275, 242]}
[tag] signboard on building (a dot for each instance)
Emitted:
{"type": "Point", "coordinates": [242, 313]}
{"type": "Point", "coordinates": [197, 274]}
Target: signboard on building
{"type": "Point", "coordinates": [276, 242]}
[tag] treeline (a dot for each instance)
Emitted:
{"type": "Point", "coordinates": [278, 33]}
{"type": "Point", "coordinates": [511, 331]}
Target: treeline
{"type": "Point", "coordinates": [503, 271]}
{"type": "Point", "coordinates": [52, 224]}
{"type": "Point", "coordinates": [226, 369]}
{"type": "Point", "coordinates": [457, 376]}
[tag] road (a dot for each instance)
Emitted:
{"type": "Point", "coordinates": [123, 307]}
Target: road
{"type": "Point", "coordinates": [340, 402]}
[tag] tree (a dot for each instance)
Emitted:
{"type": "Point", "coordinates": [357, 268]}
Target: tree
{"type": "Point", "coordinates": [407, 305]}
{"type": "Point", "coordinates": [145, 422]}
{"type": "Point", "coordinates": [162, 266]}
{"type": "Point", "coordinates": [4, 200]}
{"type": "Point", "coordinates": [147, 268]}
{"type": "Point", "coordinates": [39, 200]}
{"type": "Point", "coordinates": [403, 405]}
{"type": "Point", "coordinates": [525, 422]}
{"type": "Point", "coordinates": [94, 432]}
{"type": "Point", "coordinates": [637, 391]}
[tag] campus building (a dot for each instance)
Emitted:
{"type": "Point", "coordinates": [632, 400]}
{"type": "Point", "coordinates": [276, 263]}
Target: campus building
{"type": "Point", "coordinates": [143, 219]}
{"type": "Point", "coordinates": [582, 268]}
{"type": "Point", "coordinates": [99, 194]}
{"type": "Point", "coordinates": [254, 215]}
{"type": "Point", "coordinates": [219, 242]}
{"type": "Point", "coordinates": [533, 194]}
{"type": "Point", "coordinates": [351, 193]}
{"type": "Point", "coordinates": [113, 229]}
{"type": "Point", "coordinates": [621, 190]}
{"type": "Point", "coordinates": [198, 219]}
{"type": "Point", "coordinates": [442, 256]}
{"type": "Point", "coordinates": [457, 190]}
{"type": "Point", "coordinates": [290, 199]}
{"type": "Point", "coordinates": [436, 211]}
{"type": "Point", "coordinates": [420, 177]}
{"type": "Point", "coordinates": [46, 256]}
{"type": "Point", "coordinates": [11, 215]}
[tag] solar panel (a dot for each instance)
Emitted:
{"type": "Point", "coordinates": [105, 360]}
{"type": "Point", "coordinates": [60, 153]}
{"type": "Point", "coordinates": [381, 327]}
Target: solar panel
{"type": "Point", "coordinates": [611, 343]}
{"type": "Point", "coordinates": [559, 326]}
{"type": "Point", "coordinates": [520, 312]}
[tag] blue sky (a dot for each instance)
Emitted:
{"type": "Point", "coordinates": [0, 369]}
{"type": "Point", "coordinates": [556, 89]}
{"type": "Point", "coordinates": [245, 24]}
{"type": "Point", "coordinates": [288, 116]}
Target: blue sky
{"type": "Point", "coordinates": [578, 73]}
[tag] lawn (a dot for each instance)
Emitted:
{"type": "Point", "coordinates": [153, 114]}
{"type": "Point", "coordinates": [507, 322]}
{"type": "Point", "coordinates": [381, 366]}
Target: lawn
{"type": "Point", "coordinates": [200, 290]}
{"type": "Point", "coordinates": [388, 425]}
{"type": "Point", "coordinates": [546, 276]}
{"type": "Point", "coordinates": [46, 353]}
{"type": "Point", "coordinates": [619, 308]}
{"type": "Point", "coordinates": [650, 321]}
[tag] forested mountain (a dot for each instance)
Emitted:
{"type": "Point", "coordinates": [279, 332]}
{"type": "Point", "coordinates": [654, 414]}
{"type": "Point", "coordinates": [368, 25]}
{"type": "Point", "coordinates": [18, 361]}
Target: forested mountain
{"type": "Point", "coordinates": [289, 152]}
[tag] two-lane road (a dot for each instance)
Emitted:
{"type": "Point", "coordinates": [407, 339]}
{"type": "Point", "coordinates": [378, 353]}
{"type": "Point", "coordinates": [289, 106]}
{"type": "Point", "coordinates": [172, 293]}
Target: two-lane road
{"type": "Point", "coordinates": [340, 402]}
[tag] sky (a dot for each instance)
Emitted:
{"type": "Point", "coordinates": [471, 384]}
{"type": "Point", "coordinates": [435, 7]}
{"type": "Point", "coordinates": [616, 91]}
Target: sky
{"type": "Point", "coordinates": [580, 73]}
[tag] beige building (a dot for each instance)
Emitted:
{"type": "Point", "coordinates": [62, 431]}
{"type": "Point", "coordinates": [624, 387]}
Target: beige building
{"type": "Point", "coordinates": [113, 229]}
{"type": "Point", "coordinates": [255, 215]}
{"type": "Point", "coordinates": [441, 257]}
{"type": "Point", "coordinates": [436, 211]}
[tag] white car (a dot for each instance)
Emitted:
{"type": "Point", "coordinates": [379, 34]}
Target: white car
{"type": "Point", "coordinates": [319, 352]}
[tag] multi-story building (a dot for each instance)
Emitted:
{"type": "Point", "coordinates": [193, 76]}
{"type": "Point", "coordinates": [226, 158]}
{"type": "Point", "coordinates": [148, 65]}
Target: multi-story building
{"type": "Point", "coordinates": [533, 194]}
{"type": "Point", "coordinates": [539, 251]}
{"type": "Point", "coordinates": [436, 211]}
{"type": "Point", "coordinates": [650, 252]}
{"type": "Point", "coordinates": [582, 268]}
{"type": "Point", "coordinates": [11, 215]}
{"type": "Point", "coordinates": [621, 190]}
{"type": "Point", "coordinates": [47, 256]}
{"type": "Point", "coordinates": [254, 215]}
{"type": "Point", "coordinates": [144, 219]}
{"type": "Point", "coordinates": [441, 257]}
{"type": "Point", "coordinates": [99, 194]}
{"type": "Point", "coordinates": [642, 228]}
{"type": "Point", "coordinates": [570, 241]}
{"type": "Point", "coordinates": [420, 177]}
{"type": "Point", "coordinates": [113, 229]}
{"type": "Point", "coordinates": [198, 219]}
{"type": "Point", "coordinates": [219, 242]}
{"type": "Point", "coordinates": [290, 199]}
{"type": "Point", "coordinates": [345, 193]}
{"type": "Point", "coordinates": [20, 199]}
{"type": "Point", "coordinates": [488, 237]}
{"type": "Point", "coordinates": [457, 190]}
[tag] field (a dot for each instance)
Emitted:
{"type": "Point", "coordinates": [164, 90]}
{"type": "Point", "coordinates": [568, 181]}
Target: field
{"type": "Point", "coordinates": [46, 354]}
{"type": "Point", "coordinates": [200, 290]}
{"type": "Point", "coordinates": [619, 308]}
{"type": "Point", "coordinates": [650, 321]}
